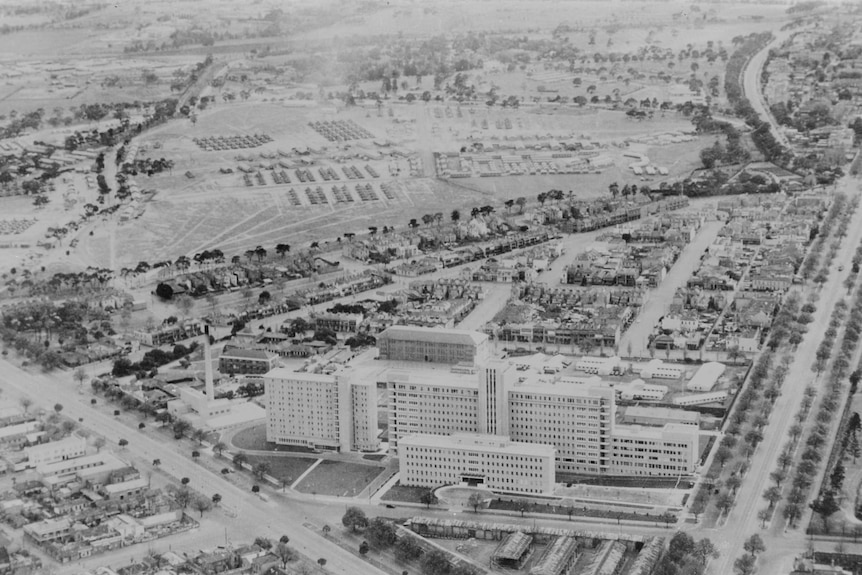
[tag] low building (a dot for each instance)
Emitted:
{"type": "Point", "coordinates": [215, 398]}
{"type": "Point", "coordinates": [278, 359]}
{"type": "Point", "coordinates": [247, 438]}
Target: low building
{"type": "Point", "coordinates": [599, 365]}
{"type": "Point", "coordinates": [658, 416]}
{"type": "Point", "coordinates": [639, 390]}
{"type": "Point", "coordinates": [237, 360]}
{"type": "Point", "coordinates": [490, 461]}
{"type": "Point", "coordinates": [700, 398]}
{"type": "Point", "coordinates": [706, 377]}
{"type": "Point", "coordinates": [657, 369]}
{"type": "Point", "coordinates": [557, 558]}
{"type": "Point", "coordinates": [54, 451]}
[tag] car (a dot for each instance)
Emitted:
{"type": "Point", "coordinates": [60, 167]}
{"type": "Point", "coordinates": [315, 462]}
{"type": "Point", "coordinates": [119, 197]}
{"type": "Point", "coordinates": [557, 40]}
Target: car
{"type": "Point", "coordinates": [389, 506]}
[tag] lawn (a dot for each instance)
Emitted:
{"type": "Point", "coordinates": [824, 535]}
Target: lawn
{"type": "Point", "coordinates": [283, 467]}
{"type": "Point", "coordinates": [339, 478]}
{"type": "Point", "coordinates": [405, 493]}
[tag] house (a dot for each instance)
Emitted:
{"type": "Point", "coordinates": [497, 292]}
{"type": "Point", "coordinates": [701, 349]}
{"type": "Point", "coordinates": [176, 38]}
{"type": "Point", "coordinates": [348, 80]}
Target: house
{"type": "Point", "coordinates": [238, 360]}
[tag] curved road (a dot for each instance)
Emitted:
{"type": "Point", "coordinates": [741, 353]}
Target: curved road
{"type": "Point", "coordinates": [751, 86]}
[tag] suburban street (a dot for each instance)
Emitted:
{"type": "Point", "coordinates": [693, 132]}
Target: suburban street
{"type": "Point", "coordinates": [255, 517]}
{"type": "Point", "coordinates": [660, 299]}
{"type": "Point", "coordinates": [742, 521]}
{"type": "Point", "coordinates": [751, 86]}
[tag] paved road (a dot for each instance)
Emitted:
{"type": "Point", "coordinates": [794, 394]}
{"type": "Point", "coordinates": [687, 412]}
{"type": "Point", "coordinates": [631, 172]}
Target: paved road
{"type": "Point", "coordinates": [660, 299]}
{"type": "Point", "coordinates": [751, 86]}
{"type": "Point", "coordinates": [255, 517]}
{"type": "Point", "coordinates": [742, 520]}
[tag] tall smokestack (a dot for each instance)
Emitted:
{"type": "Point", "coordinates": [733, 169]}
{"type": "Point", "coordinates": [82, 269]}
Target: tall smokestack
{"type": "Point", "coordinates": [208, 365]}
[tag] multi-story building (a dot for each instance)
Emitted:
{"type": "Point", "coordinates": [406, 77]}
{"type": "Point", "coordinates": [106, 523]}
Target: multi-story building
{"type": "Point", "coordinates": [54, 451]}
{"type": "Point", "coordinates": [664, 451]}
{"type": "Point", "coordinates": [338, 322]}
{"type": "Point", "coordinates": [490, 461]}
{"type": "Point", "coordinates": [440, 403]}
{"type": "Point", "coordinates": [576, 416]}
{"type": "Point", "coordinates": [322, 411]}
{"type": "Point", "coordinates": [435, 345]}
{"type": "Point", "coordinates": [246, 361]}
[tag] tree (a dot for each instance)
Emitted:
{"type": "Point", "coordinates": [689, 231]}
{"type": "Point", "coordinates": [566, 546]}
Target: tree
{"type": "Point", "coordinates": [435, 563]}
{"type": "Point", "coordinates": [681, 545]}
{"type": "Point", "coordinates": [196, 454]}
{"type": "Point", "coordinates": [183, 496]}
{"type": "Point", "coordinates": [260, 470]}
{"type": "Point", "coordinates": [744, 565]}
{"type": "Point", "coordinates": [704, 550]}
{"type": "Point", "coordinates": [754, 545]}
{"type": "Point", "coordinates": [263, 543]}
{"type": "Point", "coordinates": [521, 202]}
{"type": "Point", "coordinates": [475, 501]}
{"type": "Point", "coordinates": [723, 454]}
{"type": "Point", "coordinates": [363, 548]}
{"type": "Point", "coordinates": [284, 539]}
{"type": "Point", "coordinates": [407, 549]}
{"type": "Point", "coordinates": [724, 502]}
{"type": "Point", "coordinates": [99, 443]}
{"type": "Point", "coordinates": [321, 562]}
{"type": "Point", "coordinates": [216, 498]}
{"type": "Point", "coordinates": [380, 533]}
{"type": "Point", "coordinates": [763, 516]}
{"type": "Point", "coordinates": [219, 448]}
{"type": "Point", "coordinates": [157, 462]}
{"type": "Point", "coordinates": [180, 427]}
{"type": "Point", "coordinates": [142, 425]}
{"type": "Point", "coordinates": [428, 498]}
{"type": "Point", "coordinates": [123, 442]}
{"type": "Point", "coordinates": [354, 518]}
{"type": "Point", "coordinates": [285, 553]}
{"type": "Point", "coordinates": [778, 476]}
{"type": "Point", "coordinates": [239, 460]}
{"type": "Point", "coordinates": [772, 495]}
{"type": "Point", "coordinates": [185, 480]}
{"type": "Point", "coordinates": [825, 506]}
{"type": "Point", "coordinates": [58, 408]}
{"type": "Point", "coordinates": [26, 402]}
{"type": "Point", "coordinates": [201, 504]}
{"type": "Point", "coordinates": [79, 375]}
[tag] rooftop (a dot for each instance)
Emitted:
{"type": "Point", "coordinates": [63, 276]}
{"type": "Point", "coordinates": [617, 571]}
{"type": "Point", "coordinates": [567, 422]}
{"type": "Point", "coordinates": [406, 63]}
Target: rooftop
{"type": "Point", "coordinates": [434, 335]}
{"type": "Point", "coordinates": [479, 442]}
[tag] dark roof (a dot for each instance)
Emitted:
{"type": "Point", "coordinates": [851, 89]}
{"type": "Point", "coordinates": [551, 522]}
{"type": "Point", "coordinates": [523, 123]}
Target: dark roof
{"type": "Point", "coordinates": [513, 546]}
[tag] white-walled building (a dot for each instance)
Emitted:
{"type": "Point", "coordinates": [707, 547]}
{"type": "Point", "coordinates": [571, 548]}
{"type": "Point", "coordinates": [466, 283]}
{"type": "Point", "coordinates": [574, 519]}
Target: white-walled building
{"type": "Point", "coordinates": [657, 369]}
{"type": "Point", "coordinates": [434, 345]}
{"type": "Point", "coordinates": [322, 411]}
{"type": "Point", "coordinates": [700, 398]}
{"type": "Point", "coordinates": [661, 452]}
{"type": "Point", "coordinates": [639, 390]}
{"type": "Point", "coordinates": [599, 365]}
{"type": "Point", "coordinates": [706, 377]}
{"type": "Point", "coordinates": [54, 451]}
{"type": "Point", "coordinates": [489, 461]}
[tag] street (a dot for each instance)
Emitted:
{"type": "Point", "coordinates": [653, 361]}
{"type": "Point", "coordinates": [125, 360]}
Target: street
{"type": "Point", "coordinates": [254, 516]}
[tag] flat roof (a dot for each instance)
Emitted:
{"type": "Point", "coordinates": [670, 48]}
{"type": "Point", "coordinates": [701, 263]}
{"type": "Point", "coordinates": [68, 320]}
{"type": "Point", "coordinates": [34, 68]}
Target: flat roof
{"type": "Point", "coordinates": [662, 413]}
{"type": "Point", "coordinates": [640, 431]}
{"type": "Point", "coordinates": [433, 334]}
{"type": "Point", "coordinates": [478, 442]}
{"type": "Point", "coordinates": [433, 377]}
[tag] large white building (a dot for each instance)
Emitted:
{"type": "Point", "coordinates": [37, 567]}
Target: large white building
{"type": "Point", "coordinates": [489, 461]}
{"type": "Point", "coordinates": [668, 451]}
{"type": "Point", "coordinates": [54, 451]}
{"type": "Point", "coordinates": [575, 415]}
{"type": "Point", "coordinates": [335, 411]}
{"type": "Point", "coordinates": [434, 345]}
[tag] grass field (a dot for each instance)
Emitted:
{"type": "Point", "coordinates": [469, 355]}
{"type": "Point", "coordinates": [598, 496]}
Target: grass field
{"type": "Point", "coordinates": [283, 467]}
{"type": "Point", "coordinates": [339, 478]}
{"type": "Point", "coordinates": [405, 493]}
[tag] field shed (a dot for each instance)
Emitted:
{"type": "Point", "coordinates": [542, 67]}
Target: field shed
{"type": "Point", "coordinates": [706, 377]}
{"type": "Point", "coordinates": [657, 369]}
{"type": "Point", "coordinates": [459, 529]}
{"type": "Point", "coordinates": [557, 558]}
{"type": "Point", "coordinates": [513, 551]}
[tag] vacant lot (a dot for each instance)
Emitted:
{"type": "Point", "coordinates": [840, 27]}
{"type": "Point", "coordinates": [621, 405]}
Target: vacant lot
{"type": "Point", "coordinates": [283, 467]}
{"type": "Point", "coordinates": [339, 478]}
{"type": "Point", "coordinates": [405, 493]}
